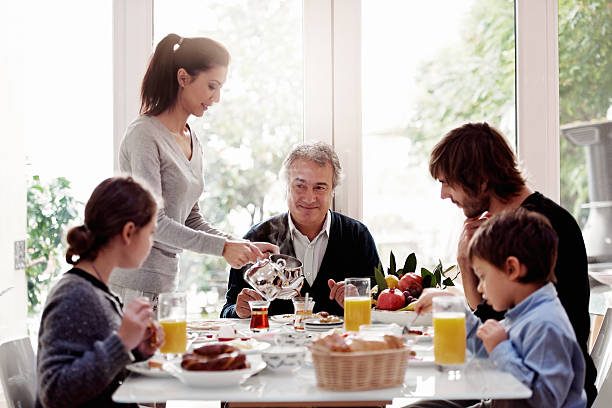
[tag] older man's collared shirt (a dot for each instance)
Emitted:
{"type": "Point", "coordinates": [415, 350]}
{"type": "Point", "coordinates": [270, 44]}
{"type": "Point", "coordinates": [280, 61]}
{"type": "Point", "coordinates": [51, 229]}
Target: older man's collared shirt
{"type": "Point", "coordinates": [310, 252]}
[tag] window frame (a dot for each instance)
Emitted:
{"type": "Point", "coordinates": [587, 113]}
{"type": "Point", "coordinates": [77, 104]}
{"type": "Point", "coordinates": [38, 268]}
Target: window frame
{"type": "Point", "coordinates": [332, 85]}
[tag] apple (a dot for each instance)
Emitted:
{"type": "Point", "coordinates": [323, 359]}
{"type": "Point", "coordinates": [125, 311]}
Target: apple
{"type": "Point", "coordinates": [412, 283]}
{"type": "Point", "coordinates": [390, 299]}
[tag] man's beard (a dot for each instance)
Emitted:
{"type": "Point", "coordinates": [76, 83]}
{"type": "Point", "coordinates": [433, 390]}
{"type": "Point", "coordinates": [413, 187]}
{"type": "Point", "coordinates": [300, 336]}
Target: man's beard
{"type": "Point", "coordinates": [476, 206]}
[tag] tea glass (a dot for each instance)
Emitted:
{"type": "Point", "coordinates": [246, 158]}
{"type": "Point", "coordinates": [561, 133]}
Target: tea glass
{"type": "Point", "coordinates": [301, 312]}
{"type": "Point", "coordinates": [357, 303]}
{"type": "Point", "coordinates": [449, 331]}
{"type": "Point", "coordinates": [259, 315]}
{"type": "Point", "coordinates": [172, 316]}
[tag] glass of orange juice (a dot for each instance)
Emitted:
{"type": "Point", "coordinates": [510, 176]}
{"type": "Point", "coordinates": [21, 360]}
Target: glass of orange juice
{"type": "Point", "coordinates": [172, 315]}
{"type": "Point", "coordinates": [449, 331]}
{"type": "Point", "coordinates": [357, 303]}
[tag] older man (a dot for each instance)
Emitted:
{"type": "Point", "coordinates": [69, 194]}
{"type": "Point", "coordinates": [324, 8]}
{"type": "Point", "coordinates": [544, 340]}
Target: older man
{"type": "Point", "coordinates": [479, 173]}
{"type": "Point", "coordinates": [330, 245]}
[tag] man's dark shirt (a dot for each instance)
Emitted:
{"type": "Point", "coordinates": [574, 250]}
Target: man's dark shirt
{"type": "Point", "coordinates": [350, 252]}
{"type": "Point", "coordinates": [572, 279]}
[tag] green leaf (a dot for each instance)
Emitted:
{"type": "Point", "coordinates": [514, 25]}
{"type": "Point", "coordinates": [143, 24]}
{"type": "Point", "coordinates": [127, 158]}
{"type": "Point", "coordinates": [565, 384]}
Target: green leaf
{"type": "Point", "coordinates": [448, 282]}
{"type": "Point", "coordinates": [392, 266]}
{"type": "Point", "coordinates": [411, 263]}
{"type": "Point", "coordinates": [450, 268]}
{"type": "Point", "coordinates": [429, 280]}
{"type": "Point", "coordinates": [438, 273]}
{"type": "Point", "coordinates": [380, 278]}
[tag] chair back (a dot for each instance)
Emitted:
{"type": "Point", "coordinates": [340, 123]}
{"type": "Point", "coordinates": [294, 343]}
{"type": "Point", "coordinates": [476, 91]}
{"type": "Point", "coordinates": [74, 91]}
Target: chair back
{"type": "Point", "coordinates": [18, 373]}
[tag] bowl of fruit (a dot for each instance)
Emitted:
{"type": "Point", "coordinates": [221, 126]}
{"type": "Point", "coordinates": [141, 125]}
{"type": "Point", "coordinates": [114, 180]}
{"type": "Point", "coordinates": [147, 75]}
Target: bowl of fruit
{"type": "Point", "coordinates": [398, 290]}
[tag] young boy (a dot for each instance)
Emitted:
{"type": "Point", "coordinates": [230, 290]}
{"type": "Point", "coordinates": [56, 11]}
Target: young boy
{"type": "Point", "coordinates": [513, 255]}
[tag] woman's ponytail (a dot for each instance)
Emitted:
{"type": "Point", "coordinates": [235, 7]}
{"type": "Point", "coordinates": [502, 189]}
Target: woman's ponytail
{"type": "Point", "coordinates": [159, 85]}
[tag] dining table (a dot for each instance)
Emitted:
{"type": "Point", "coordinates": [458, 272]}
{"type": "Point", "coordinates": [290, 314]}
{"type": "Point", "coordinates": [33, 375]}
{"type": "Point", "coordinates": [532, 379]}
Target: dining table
{"type": "Point", "coordinates": [477, 379]}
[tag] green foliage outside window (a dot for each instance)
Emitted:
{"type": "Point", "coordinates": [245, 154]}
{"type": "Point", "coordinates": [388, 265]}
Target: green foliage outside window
{"type": "Point", "coordinates": [50, 208]}
{"type": "Point", "coordinates": [474, 82]}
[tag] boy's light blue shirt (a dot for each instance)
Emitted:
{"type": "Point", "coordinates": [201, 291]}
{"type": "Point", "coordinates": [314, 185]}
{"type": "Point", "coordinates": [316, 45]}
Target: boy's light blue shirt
{"type": "Point", "coordinates": [541, 350]}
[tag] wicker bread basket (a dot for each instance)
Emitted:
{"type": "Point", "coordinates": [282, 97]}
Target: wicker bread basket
{"type": "Point", "coordinates": [360, 371]}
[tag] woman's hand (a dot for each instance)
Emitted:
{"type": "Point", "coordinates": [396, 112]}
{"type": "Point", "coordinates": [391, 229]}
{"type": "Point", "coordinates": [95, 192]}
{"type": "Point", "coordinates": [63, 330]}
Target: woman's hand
{"type": "Point", "coordinates": [243, 310]}
{"type": "Point", "coordinates": [491, 333]}
{"type": "Point", "coordinates": [267, 247]}
{"type": "Point", "coordinates": [154, 338]}
{"type": "Point", "coordinates": [136, 318]}
{"type": "Point", "coordinates": [240, 253]}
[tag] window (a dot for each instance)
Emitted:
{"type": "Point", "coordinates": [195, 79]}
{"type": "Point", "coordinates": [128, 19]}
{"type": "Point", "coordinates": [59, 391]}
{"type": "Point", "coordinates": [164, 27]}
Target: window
{"type": "Point", "coordinates": [67, 89]}
{"type": "Point", "coordinates": [585, 105]}
{"type": "Point", "coordinates": [247, 135]}
{"type": "Point", "coordinates": [427, 67]}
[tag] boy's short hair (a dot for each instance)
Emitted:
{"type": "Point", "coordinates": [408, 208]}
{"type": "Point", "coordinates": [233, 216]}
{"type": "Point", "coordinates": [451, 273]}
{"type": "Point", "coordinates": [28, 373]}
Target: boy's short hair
{"type": "Point", "coordinates": [524, 234]}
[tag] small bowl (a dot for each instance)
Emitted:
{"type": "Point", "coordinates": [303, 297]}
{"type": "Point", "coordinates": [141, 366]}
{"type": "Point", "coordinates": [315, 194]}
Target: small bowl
{"type": "Point", "coordinates": [292, 339]}
{"type": "Point", "coordinates": [284, 358]}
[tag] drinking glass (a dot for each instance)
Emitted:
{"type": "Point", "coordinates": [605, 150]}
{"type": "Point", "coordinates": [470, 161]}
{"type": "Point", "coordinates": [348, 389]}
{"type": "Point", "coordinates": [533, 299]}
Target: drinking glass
{"type": "Point", "coordinates": [259, 315]}
{"type": "Point", "coordinates": [301, 312]}
{"type": "Point", "coordinates": [449, 331]}
{"type": "Point", "coordinates": [172, 315]}
{"type": "Point", "coordinates": [357, 303]}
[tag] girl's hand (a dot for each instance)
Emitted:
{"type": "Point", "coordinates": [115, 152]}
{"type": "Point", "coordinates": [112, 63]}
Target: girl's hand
{"type": "Point", "coordinates": [491, 333]}
{"type": "Point", "coordinates": [153, 339]}
{"type": "Point", "coordinates": [136, 318]}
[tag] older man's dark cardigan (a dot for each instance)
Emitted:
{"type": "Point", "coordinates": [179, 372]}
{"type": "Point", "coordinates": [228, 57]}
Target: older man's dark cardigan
{"type": "Point", "coordinates": [350, 252]}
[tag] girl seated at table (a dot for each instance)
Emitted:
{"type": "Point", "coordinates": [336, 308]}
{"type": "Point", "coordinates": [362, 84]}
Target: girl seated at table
{"type": "Point", "coordinates": [513, 255]}
{"type": "Point", "coordinates": [85, 339]}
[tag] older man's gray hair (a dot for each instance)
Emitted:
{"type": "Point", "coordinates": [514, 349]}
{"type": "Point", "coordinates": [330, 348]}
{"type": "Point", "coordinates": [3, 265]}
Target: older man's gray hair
{"type": "Point", "coordinates": [319, 152]}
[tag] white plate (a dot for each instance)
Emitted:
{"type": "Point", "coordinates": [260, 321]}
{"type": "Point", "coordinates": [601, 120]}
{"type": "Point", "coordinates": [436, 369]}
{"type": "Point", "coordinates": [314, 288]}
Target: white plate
{"type": "Point", "coordinates": [402, 318]}
{"type": "Point", "coordinates": [250, 346]}
{"type": "Point", "coordinates": [285, 318]}
{"type": "Point", "coordinates": [209, 379]}
{"type": "Point", "coordinates": [142, 367]}
{"type": "Point", "coordinates": [424, 355]}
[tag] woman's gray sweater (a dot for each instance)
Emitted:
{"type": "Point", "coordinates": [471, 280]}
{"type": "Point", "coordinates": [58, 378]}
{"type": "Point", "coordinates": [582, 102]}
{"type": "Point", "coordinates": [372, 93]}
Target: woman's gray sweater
{"type": "Point", "coordinates": [150, 154]}
{"type": "Point", "coordinates": [81, 360]}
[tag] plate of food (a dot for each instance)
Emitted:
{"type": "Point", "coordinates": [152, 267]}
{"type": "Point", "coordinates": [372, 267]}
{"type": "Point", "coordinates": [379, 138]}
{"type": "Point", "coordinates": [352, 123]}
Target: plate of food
{"type": "Point", "coordinates": [421, 333]}
{"type": "Point", "coordinates": [401, 317]}
{"type": "Point", "coordinates": [421, 355]}
{"type": "Point", "coordinates": [284, 318]}
{"type": "Point", "coordinates": [221, 370]}
{"type": "Point", "coordinates": [207, 325]}
{"type": "Point", "coordinates": [150, 368]}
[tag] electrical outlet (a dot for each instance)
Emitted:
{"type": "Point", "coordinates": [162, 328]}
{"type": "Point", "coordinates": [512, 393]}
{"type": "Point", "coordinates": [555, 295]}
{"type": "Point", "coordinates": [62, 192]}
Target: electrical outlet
{"type": "Point", "coordinates": [20, 254]}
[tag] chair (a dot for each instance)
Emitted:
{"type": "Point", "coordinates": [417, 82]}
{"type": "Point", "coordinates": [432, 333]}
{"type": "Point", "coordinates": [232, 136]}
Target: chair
{"type": "Point", "coordinates": [602, 349]}
{"type": "Point", "coordinates": [604, 395]}
{"type": "Point", "coordinates": [18, 373]}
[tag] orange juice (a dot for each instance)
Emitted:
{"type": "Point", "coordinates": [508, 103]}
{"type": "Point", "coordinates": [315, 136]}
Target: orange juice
{"type": "Point", "coordinates": [176, 336]}
{"type": "Point", "coordinates": [357, 311]}
{"type": "Point", "coordinates": [449, 338]}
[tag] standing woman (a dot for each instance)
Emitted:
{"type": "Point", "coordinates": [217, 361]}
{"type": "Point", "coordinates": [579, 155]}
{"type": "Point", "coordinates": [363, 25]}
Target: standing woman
{"type": "Point", "coordinates": [184, 78]}
{"type": "Point", "coordinates": [85, 339]}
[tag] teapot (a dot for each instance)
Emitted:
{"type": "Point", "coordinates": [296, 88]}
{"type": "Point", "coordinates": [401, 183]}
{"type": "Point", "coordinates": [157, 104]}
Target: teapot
{"type": "Point", "coordinates": [279, 276]}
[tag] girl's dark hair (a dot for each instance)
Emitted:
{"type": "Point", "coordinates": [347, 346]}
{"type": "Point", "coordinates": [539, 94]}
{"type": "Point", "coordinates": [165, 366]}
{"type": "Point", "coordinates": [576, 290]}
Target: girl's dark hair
{"type": "Point", "coordinates": [115, 202]}
{"type": "Point", "coordinates": [195, 55]}
{"type": "Point", "coordinates": [473, 154]}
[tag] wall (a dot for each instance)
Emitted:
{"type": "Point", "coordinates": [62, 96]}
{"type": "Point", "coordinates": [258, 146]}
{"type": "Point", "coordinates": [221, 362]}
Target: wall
{"type": "Point", "coordinates": [13, 304]}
